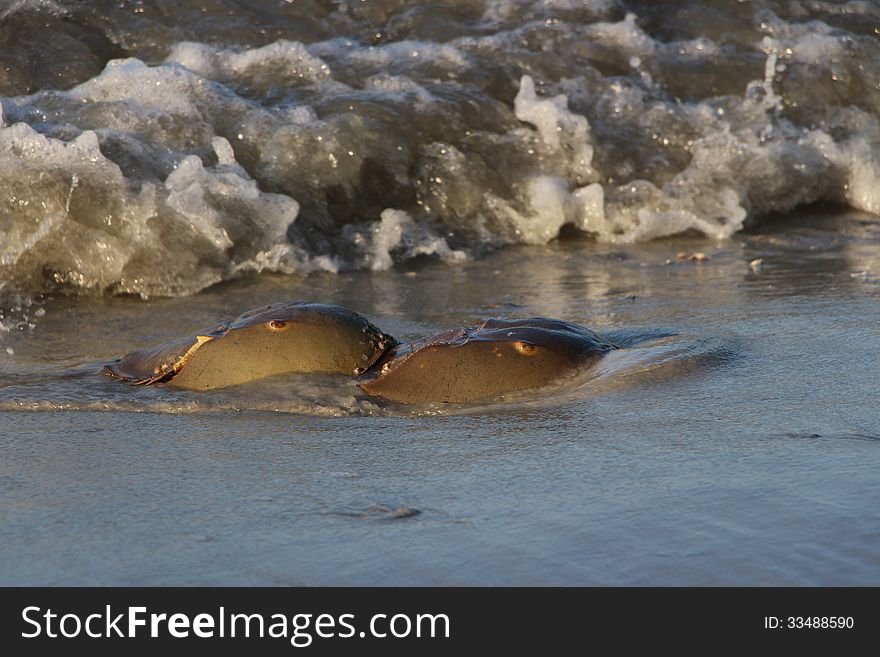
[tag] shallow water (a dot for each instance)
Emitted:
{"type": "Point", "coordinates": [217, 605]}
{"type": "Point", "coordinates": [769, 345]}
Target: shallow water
{"type": "Point", "coordinates": [742, 450]}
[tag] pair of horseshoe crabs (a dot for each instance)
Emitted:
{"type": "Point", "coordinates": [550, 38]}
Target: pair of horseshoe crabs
{"type": "Point", "coordinates": [459, 366]}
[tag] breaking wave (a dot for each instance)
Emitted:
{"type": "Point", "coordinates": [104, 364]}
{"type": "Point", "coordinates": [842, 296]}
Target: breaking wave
{"type": "Point", "coordinates": [151, 151]}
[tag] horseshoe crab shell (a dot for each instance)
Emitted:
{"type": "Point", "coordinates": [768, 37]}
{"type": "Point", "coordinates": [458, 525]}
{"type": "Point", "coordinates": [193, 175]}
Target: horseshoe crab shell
{"type": "Point", "coordinates": [485, 361]}
{"type": "Point", "coordinates": [292, 336]}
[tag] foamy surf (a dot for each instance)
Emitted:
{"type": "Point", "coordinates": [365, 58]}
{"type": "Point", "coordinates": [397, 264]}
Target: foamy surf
{"type": "Point", "coordinates": [350, 139]}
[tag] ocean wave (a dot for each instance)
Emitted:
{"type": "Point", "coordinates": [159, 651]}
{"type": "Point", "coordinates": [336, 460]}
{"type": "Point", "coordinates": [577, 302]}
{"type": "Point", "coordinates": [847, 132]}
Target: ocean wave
{"type": "Point", "coordinates": [155, 152]}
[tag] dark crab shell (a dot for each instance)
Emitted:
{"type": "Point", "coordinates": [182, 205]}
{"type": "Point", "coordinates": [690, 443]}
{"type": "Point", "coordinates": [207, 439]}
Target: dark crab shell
{"type": "Point", "coordinates": [484, 361]}
{"type": "Point", "coordinates": [291, 336]}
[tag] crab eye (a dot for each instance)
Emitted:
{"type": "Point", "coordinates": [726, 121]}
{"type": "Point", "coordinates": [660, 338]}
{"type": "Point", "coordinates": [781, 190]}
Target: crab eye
{"type": "Point", "coordinates": [525, 348]}
{"type": "Point", "coordinates": [277, 325]}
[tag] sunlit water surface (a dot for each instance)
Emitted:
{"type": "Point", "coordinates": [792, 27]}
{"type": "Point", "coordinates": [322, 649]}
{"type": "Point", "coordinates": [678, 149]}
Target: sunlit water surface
{"type": "Point", "coordinates": [744, 449]}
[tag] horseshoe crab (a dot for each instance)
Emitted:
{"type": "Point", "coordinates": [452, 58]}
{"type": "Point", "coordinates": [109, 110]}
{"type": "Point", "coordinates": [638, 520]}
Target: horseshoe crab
{"type": "Point", "coordinates": [292, 336]}
{"type": "Point", "coordinates": [480, 362]}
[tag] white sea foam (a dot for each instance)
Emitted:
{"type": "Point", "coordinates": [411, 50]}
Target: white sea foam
{"type": "Point", "coordinates": [190, 163]}
{"type": "Point", "coordinates": [398, 234]}
{"type": "Point", "coordinates": [73, 214]}
{"type": "Point", "coordinates": [283, 63]}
